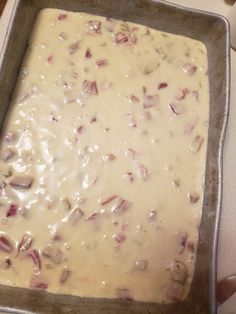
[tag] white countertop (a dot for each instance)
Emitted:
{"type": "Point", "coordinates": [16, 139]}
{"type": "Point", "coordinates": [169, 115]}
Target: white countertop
{"type": "Point", "coordinates": [227, 239]}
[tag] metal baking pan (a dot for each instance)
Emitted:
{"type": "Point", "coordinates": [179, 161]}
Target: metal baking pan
{"type": "Point", "coordinates": [211, 29]}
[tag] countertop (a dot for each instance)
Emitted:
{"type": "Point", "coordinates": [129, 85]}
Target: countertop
{"type": "Point", "coordinates": [227, 238]}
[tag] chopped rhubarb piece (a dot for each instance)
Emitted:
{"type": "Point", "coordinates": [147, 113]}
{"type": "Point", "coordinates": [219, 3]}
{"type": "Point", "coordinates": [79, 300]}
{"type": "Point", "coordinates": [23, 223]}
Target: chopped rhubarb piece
{"type": "Point", "coordinates": [130, 152]}
{"type": "Point", "coordinates": [121, 38]}
{"type": "Point", "coordinates": [88, 54]}
{"type": "Point", "coordinates": [162, 85]}
{"type": "Point", "coordinates": [176, 182]}
{"type": "Point", "coordinates": [141, 265]}
{"type": "Point", "coordinates": [67, 203]}
{"type": "Point", "coordinates": [50, 59]}
{"type": "Point", "coordinates": [34, 254]}
{"type": "Point", "coordinates": [142, 171]}
{"type": "Point", "coordinates": [95, 26]}
{"type": "Point", "coordinates": [106, 200]}
{"type": "Point", "coordinates": [119, 237]}
{"type": "Point", "coordinates": [12, 210]}
{"type": "Point", "coordinates": [191, 246]}
{"type": "Point", "coordinates": [122, 206]}
{"type": "Point", "coordinates": [124, 293]}
{"type": "Point", "coordinates": [178, 272]}
{"type": "Point", "coordinates": [74, 216]}
{"type": "Point", "coordinates": [175, 108]}
{"type": "Point", "coordinates": [182, 94]}
{"type": "Point", "coordinates": [62, 36]}
{"type": "Point", "coordinates": [189, 127]}
{"type": "Point", "coordinates": [109, 157]}
{"type": "Point", "coordinates": [80, 129]}
{"type": "Point", "coordinates": [146, 115]}
{"type": "Point", "coordinates": [196, 143]}
{"type": "Point", "coordinates": [90, 87]}
{"type": "Point", "coordinates": [62, 16]}
{"type": "Point", "coordinates": [57, 237]}
{"type": "Point", "coordinates": [150, 101]}
{"type": "Point", "coordinates": [6, 263]}
{"type": "Point", "coordinates": [193, 197]}
{"type": "Point", "coordinates": [195, 94]}
{"type": "Point", "coordinates": [9, 137]}
{"type": "Point", "coordinates": [131, 120]}
{"type": "Point", "coordinates": [93, 216]}
{"type": "Point", "coordinates": [7, 154]}
{"type": "Point", "coordinates": [129, 176]}
{"type": "Point", "coordinates": [152, 215]}
{"type": "Point", "coordinates": [189, 69]}
{"type": "Point", "coordinates": [74, 47]}
{"type": "Point", "coordinates": [25, 243]}
{"type": "Point", "coordinates": [93, 119]}
{"type": "Point", "coordinates": [134, 99]}
{"type": "Point", "coordinates": [144, 90]}
{"type": "Point", "coordinates": [55, 254]}
{"type": "Point", "coordinates": [5, 244]}
{"type": "Point", "coordinates": [21, 182]}
{"type": "Point", "coordinates": [102, 62]}
{"type": "Point", "coordinates": [64, 275]}
{"type": "Point", "coordinates": [183, 239]}
{"type": "Point", "coordinates": [125, 226]}
{"type": "Point", "coordinates": [38, 282]}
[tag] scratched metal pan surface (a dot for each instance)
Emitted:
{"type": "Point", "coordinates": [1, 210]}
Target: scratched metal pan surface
{"type": "Point", "coordinates": [211, 29]}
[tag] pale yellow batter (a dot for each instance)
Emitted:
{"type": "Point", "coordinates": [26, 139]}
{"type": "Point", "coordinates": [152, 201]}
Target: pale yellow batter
{"type": "Point", "coordinates": [103, 159]}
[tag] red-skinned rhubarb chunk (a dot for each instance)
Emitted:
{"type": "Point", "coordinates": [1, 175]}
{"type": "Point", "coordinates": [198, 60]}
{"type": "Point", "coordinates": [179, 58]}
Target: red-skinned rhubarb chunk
{"type": "Point", "coordinates": [129, 176]}
{"type": "Point", "coordinates": [134, 99]}
{"type": "Point", "coordinates": [119, 237]}
{"type": "Point", "coordinates": [90, 87]}
{"type": "Point", "coordinates": [12, 210]}
{"type": "Point", "coordinates": [93, 216]}
{"type": "Point", "coordinates": [62, 17]}
{"type": "Point", "coordinates": [54, 254]}
{"type": "Point", "coordinates": [95, 26]}
{"type": "Point", "coordinates": [121, 38]}
{"type": "Point", "coordinates": [74, 216]}
{"type": "Point", "coordinates": [64, 275]}
{"type": "Point", "coordinates": [73, 48]}
{"type": "Point", "coordinates": [21, 182]}
{"type": "Point", "coordinates": [8, 154]}
{"type": "Point", "coordinates": [34, 254]}
{"type": "Point", "coordinates": [102, 62]}
{"type": "Point", "coordinates": [105, 200]}
{"type": "Point", "coordinates": [6, 263]}
{"type": "Point", "coordinates": [162, 85]}
{"type": "Point", "coordinates": [175, 108]}
{"type": "Point", "coordinates": [141, 265]}
{"type": "Point", "coordinates": [142, 171]}
{"type": "Point", "coordinates": [121, 206]}
{"type": "Point", "coordinates": [88, 54]}
{"type": "Point", "coordinates": [38, 282]}
{"type": "Point", "coordinates": [193, 197]}
{"type": "Point", "coordinates": [196, 144]}
{"type": "Point", "coordinates": [25, 243]}
{"type": "Point", "coordinates": [189, 69]}
{"type": "Point", "coordinates": [150, 101]}
{"type": "Point", "coordinates": [5, 244]}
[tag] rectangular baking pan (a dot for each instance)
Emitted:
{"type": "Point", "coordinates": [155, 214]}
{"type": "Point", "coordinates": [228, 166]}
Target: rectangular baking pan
{"type": "Point", "coordinates": [211, 29]}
